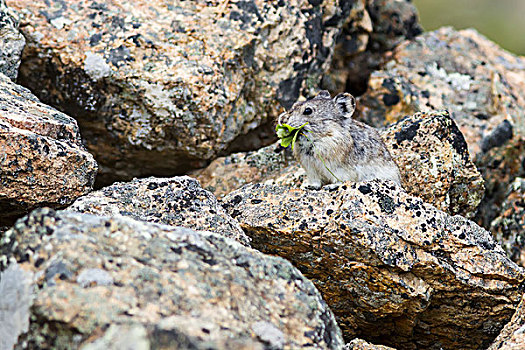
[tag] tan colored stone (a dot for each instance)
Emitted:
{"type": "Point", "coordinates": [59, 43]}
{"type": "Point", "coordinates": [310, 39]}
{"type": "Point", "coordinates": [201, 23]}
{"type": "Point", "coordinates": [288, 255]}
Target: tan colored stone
{"type": "Point", "coordinates": [512, 337]}
{"type": "Point", "coordinates": [43, 161]}
{"type": "Point", "coordinates": [395, 270]}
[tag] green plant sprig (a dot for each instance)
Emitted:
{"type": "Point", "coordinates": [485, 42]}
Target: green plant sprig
{"type": "Point", "coordinates": [288, 134]}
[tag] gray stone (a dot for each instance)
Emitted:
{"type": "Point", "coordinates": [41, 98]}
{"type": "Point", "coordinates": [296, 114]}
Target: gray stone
{"type": "Point", "coordinates": [11, 42]}
{"type": "Point", "coordinates": [171, 288]}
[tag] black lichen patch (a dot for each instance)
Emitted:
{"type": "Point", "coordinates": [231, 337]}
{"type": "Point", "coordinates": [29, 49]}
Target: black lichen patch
{"type": "Point", "coordinates": [391, 99]}
{"type": "Point", "coordinates": [386, 203]}
{"type": "Point", "coordinates": [407, 133]}
{"type": "Point", "coordinates": [364, 189]}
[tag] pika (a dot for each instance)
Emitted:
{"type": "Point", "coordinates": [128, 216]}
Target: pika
{"type": "Point", "coordinates": [332, 147]}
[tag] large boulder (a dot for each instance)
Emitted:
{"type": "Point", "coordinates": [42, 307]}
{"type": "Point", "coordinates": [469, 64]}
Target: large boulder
{"type": "Point", "coordinates": [177, 201]}
{"type": "Point", "coordinates": [461, 71]}
{"type": "Point", "coordinates": [429, 149]}
{"type": "Point", "coordinates": [114, 283]}
{"type": "Point", "coordinates": [394, 270]}
{"type": "Point", "coordinates": [161, 88]}
{"type": "Point", "coordinates": [42, 161]}
{"type": "Point", "coordinates": [11, 42]}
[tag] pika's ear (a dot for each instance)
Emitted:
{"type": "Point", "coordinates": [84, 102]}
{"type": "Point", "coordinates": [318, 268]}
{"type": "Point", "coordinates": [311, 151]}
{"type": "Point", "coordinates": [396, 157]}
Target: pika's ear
{"type": "Point", "coordinates": [323, 94]}
{"type": "Point", "coordinates": [346, 103]}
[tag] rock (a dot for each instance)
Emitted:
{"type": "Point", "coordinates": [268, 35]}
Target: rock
{"type": "Point", "coordinates": [177, 201]}
{"type": "Point", "coordinates": [11, 42]}
{"type": "Point", "coordinates": [429, 149]}
{"type": "Point", "coordinates": [17, 296]}
{"type": "Point", "coordinates": [43, 160]}
{"type": "Point", "coordinates": [434, 162]}
{"type": "Point", "coordinates": [373, 28]}
{"type": "Point", "coordinates": [499, 167]}
{"type": "Point", "coordinates": [509, 226]}
{"type": "Point", "coordinates": [461, 71]}
{"type": "Point", "coordinates": [169, 288]}
{"type": "Point", "coordinates": [170, 87]}
{"type": "Point", "coordinates": [395, 270]}
{"type": "Point", "coordinates": [360, 344]}
{"type": "Point", "coordinates": [226, 174]}
{"type": "Point", "coordinates": [513, 334]}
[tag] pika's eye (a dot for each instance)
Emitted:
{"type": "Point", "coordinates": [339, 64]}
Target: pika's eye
{"type": "Point", "coordinates": [307, 111]}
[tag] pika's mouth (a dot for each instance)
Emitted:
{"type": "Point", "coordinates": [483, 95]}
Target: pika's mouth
{"type": "Point", "coordinates": [288, 134]}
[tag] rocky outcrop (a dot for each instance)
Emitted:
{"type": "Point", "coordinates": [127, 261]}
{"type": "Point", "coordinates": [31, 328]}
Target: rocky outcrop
{"type": "Point", "coordinates": [172, 86]}
{"type": "Point", "coordinates": [394, 270]}
{"type": "Point", "coordinates": [11, 42]}
{"type": "Point", "coordinates": [512, 337]}
{"type": "Point", "coordinates": [177, 201]}
{"type": "Point", "coordinates": [509, 226]}
{"type": "Point", "coordinates": [429, 149]}
{"type": "Point", "coordinates": [434, 162]}
{"type": "Point", "coordinates": [373, 28]}
{"type": "Point", "coordinates": [102, 280]}
{"type": "Point", "coordinates": [43, 161]}
{"type": "Point", "coordinates": [461, 71]}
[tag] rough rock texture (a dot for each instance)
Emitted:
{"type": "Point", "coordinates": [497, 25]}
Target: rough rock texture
{"type": "Point", "coordinates": [360, 344]}
{"type": "Point", "coordinates": [11, 42]}
{"type": "Point", "coordinates": [169, 86]}
{"type": "Point", "coordinates": [499, 166]}
{"type": "Point", "coordinates": [434, 161]}
{"type": "Point", "coordinates": [461, 71]}
{"type": "Point", "coordinates": [429, 149]}
{"type": "Point", "coordinates": [512, 337]}
{"type": "Point", "coordinates": [42, 160]}
{"type": "Point", "coordinates": [394, 270]}
{"type": "Point", "coordinates": [162, 286]}
{"type": "Point", "coordinates": [509, 226]}
{"type": "Point", "coordinates": [226, 174]}
{"type": "Point", "coordinates": [373, 28]}
{"type": "Point", "coordinates": [16, 290]}
{"type": "Point", "coordinates": [177, 201]}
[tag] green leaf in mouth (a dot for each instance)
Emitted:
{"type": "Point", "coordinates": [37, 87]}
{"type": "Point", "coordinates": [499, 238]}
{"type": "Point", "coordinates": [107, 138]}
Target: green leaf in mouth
{"type": "Point", "coordinates": [288, 134]}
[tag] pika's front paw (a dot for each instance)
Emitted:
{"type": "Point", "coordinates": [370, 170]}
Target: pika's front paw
{"type": "Point", "coordinates": [311, 185]}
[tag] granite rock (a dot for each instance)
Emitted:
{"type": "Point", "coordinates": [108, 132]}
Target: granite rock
{"type": "Point", "coordinates": [169, 288]}
{"type": "Point", "coordinates": [177, 201]}
{"type": "Point", "coordinates": [479, 83]}
{"type": "Point", "coordinates": [159, 88]}
{"type": "Point", "coordinates": [509, 227]}
{"type": "Point", "coordinates": [43, 161]}
{"type": "Point", "coordinates": [373, 28]}
{"type": "Point", "coordinates": [11, 42]}
{"type": "Point", "coordinates": [395, 270]}
{"type": "Point", "coordinates": [512, 337]}
{"type": "Point", "coordinates": [434, 162]}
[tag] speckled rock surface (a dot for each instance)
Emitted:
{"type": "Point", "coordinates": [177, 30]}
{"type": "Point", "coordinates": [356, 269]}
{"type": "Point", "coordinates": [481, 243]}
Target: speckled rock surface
{"type": "Point", "coordinates": [373, 28]}
{"type": "Point", "coordinates": [499, 167]}
{"type": "Point", "coordinates": [395, 270]}
{"type": "Point", "coordinates": [166, 287]}
{"type": "Point", "coordinates": [226, 174]}
{"type": "Point", "coordinates": [429, 149]}
{"type": "Point", "coordinates": [360, 344]}
{"type": "Point", "coordinates": [509, 226]}
{"type": "Point", "coordinates": [512, 337]}
{"type": "Point", "coordinates": [11, 42]}
{"type": "Point", "coordinates": [461, 71]}
{"type": "Point", "coordinates": [434, 161]}
{"type": "Point", "coordinates": [158, 88]}
{"type": "Point", "coordinates": [42, 161]}
{"type": "Point", "coordinates": [177, 201]}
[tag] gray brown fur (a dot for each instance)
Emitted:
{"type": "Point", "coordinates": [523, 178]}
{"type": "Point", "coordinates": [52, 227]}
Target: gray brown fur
{"type": "Point", "coordinates": [353, 151]}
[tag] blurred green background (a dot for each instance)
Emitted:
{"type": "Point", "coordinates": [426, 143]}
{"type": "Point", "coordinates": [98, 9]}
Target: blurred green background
{"type": "Point", "coordinates": [502, 21]}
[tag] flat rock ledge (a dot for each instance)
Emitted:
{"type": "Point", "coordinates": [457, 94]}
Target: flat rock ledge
{"type": "Point", "coordinates": [395, 270]}
{"type": "Point", "coordinates": [176, 201]}
{"type": "Point", "coordinates": [43, 161]}
{"type": "Point", "coordinates": [116, 282]}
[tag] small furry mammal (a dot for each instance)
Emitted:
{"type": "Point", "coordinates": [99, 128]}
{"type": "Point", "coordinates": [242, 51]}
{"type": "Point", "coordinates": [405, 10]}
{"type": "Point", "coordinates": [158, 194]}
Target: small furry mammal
{"type": "Point", "coordinates": [332, 143]}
